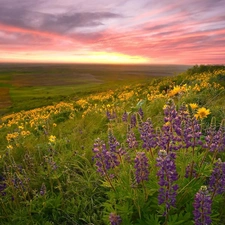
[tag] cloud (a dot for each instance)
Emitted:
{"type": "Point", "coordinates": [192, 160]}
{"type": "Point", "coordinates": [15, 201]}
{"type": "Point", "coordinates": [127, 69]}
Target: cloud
{"type": "Point", "coordinates": [170, 31]}
{"type": "Point", "coordinates": [59, 23]}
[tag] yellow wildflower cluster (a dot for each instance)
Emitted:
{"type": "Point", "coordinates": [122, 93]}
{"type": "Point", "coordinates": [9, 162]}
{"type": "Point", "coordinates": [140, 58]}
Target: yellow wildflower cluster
{"type": "Point", "coordinates": [203, 80]}
{"type": "Point", "coordinates": [25, 133]}
{"type": "Point", "coordinates": [12, 136]}
{"type": "Point", "coordinates": [82, 103]}
{"type": "Point", "coordinates": [177, 90]}
{"type": "Point", "coordinates": [124, 96]}
{"type": "Point", "coordinates": [35, 117]}
{"type": "Point", "coordinates": [102, 96]}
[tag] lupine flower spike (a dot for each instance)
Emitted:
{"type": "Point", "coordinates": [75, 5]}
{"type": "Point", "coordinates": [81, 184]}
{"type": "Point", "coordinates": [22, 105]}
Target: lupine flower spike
{"type": "Point", "coordinates": [115, 219]}
{"type": "Point", "coordinates": [142, 167]}
{"type": "Point", "coordinates": [167, 176]}
{"type": "Point", "coordinates": [202, 207]}
{"type": "Point", "coordinates": [217, 179]}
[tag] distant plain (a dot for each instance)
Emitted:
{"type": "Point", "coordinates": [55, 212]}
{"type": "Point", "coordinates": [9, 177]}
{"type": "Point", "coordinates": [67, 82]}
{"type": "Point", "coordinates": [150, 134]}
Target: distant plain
{"type": "Point", "coordinates": [27, 86]}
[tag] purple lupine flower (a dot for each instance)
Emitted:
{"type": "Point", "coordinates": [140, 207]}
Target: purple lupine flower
{"type": "Point", "coordinates": [170, 139]}
{"type": "Point", "coordinates": [43, 189]}
{"type": "Point", "coordinates": [167, 176]}
{"type": "Point", "coordinates": [125, 117]}
{"type": "Point", "coordinates": [2, 186]}
{"type": "Point", "coordinates": [131, 140]}
{"type": "Point", "coordinates": [202, 207]}
{"type": "Point", "coordinates": [148, 135]}
{"type": "Point", "coordinates": [215, 140]}
{"type": "Point", "coordinates": [141, 113]}
{"type": "Point", "coordinates": [191, 129]}
{"type": "Point", "coordinates": [181, 129]}
{"type": "Point", "coordinates": [192, 133]}
{"type": "Point", "coordinates": [170, 111]}
{"type": "Point", "coordinates": [110, 115]}
{"type": "Point", "coordinates": [188, 171]}
{"type": "Point", "coordinates": [105, 159]}
{"type": "Point", "coordinates": [113, 143]}
{"type": "Point", "coordinates": [50, 161]}
{"type": "Point", "coordinates": [142, 167]}
{"type": "Point", "coordinates": [115, 219]}
{"type": "Point", "coordinates": [217, 179]}
{"type": "Point", "coordinates": [133, 120]}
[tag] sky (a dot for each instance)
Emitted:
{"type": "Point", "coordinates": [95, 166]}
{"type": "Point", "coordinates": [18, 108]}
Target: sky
{"type": "Point", "coordinates": [113, 31]}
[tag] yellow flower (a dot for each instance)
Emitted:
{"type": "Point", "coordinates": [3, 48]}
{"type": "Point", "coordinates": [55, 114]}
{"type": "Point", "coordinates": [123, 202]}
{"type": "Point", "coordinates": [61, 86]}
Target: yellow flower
{"type": "Point", "coordinates": [167, 124]}
{"type": "Point", "coordinates": [193, 106]}
{"type": "Point", "coordinates": [52, 138]}
{"type": "Point", "coordinates": [9, 147]}
{"type": "Point", "coordinates": [54, 124]}
{"type": "Point", "coordinates": [177, 90]}
{"type": "Point", "coordinates": [202, 113]}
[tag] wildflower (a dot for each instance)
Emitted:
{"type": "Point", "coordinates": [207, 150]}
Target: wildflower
{"type": "Point", "coordinates": [115, 219]}
{"type": "Point", "coordinates": [167, 175]}
{"type": "Point", "coordinates": [148, 135]}
{"type": "Point", "coordinates": [25, 133]}
{"type": "Point", "coordinates": [202, 113]}
{"type": "Point", "coordinates": [125, 117]}
{"type": "Point", "coordinates": [52, 139]}
{"type": "Point", "coordinates": [141, 113]}
{"type": "Point", "coordinates": [111, 115]}
{"type": "Point", "coordinates": [191, 132]}
{"type": "Point", "coordinates": [9, 147]}
{"type": "Point", "coordinates": [190, 171]}
{"type": "Point", "coordinates": [193, 106]}
{"type": "Point", "coordinates": [167, 124]}
{"type": "Point", "coordinates": [133, 120]}
{"type": "Point", "coordinates": [54, 124]}
{"type": "Point", "coordinates": [217, 179]}
{"type": "Point", "coordinates": [105, 159]}
{"type": "Point", "coordinates": [2, 186]}
{"type": "Point", "coordinates": [202, 207]}
{"type": "Point", "coordinates": [131, 140]}
{"type": "Point", "coordinates": [43, 189]}
{"type": "Point", "coordinates": [142, 167]}
{"type": "Point", "coordinates": [113, 143]}
{"type": "Point", "coordinates": [215, 140]}
{"type": "Point", "coordinates": [168, 139]}
{"type": "Point", "coordinates": [177, 90]}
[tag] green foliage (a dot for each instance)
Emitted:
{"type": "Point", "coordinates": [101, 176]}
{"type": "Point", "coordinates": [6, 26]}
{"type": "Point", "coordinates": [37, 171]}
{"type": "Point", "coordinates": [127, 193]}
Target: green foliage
{"type": "Point", "coordinates": [204, 68]}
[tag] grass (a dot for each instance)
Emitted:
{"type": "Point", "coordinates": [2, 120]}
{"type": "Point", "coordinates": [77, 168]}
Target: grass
{"type": "Point", "coordinates": [76, 161]}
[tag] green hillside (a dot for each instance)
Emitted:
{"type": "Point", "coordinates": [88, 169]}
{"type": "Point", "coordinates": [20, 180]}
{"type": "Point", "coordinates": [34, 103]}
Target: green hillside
{"type": "Point", "coordinates": [140, 152]}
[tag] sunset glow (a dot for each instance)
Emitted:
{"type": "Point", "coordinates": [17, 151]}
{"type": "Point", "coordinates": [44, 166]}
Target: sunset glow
{"type": "Point", "coordinates": [103, 31]}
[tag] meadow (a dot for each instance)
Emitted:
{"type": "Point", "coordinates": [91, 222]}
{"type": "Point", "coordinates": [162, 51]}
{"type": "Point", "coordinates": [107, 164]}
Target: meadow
{"type": "Point", "coordinates": [27, 86]}
{"type": "Point", "coordinates": [139, 148]}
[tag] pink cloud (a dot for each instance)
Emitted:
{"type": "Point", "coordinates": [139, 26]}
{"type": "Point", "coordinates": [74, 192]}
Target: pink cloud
{"type": "Point", "coordinates": [179, 32]}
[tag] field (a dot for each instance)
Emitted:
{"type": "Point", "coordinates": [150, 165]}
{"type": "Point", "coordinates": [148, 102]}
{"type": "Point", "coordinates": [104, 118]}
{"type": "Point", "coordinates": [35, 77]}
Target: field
{"type": "Point", "coordinates": [26, 86]}
{"type": "Point", "coordinates": [91, 144]}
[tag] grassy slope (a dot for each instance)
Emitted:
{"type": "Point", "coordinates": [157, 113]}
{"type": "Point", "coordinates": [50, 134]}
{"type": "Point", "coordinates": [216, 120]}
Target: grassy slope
{"type": "Point", "coordinates": [75, 194]}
